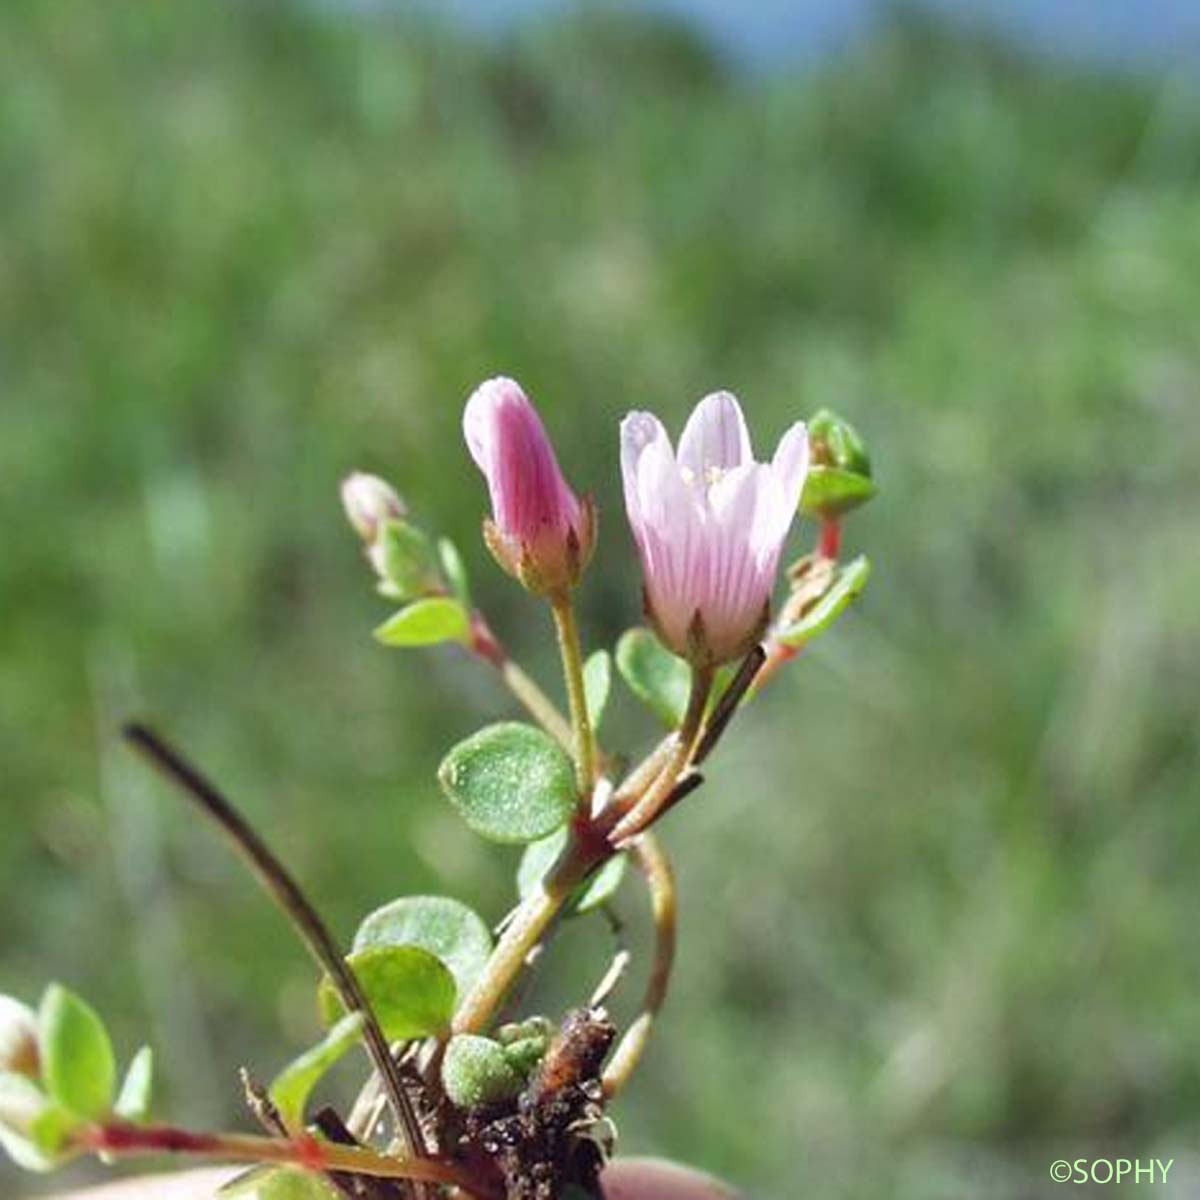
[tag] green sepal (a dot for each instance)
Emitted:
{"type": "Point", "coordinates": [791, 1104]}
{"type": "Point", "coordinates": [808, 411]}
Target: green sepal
{"type": "Point", "coordinates": [832, 492]}
{"type": "Point", "coordinates": [405, 561]}
{"type": "Point", "coordinates": [290, 1089]}
{"type": "Point", "coordinates": [133, 1100]}
{"type": "Point", "coordinates": [477, 1070]}
{"type": "Point", "coordinates": [540, 857]}
{"type": "Point", "coordinates": [836, 443]}
{"type": "Point", "coordinates": [79, 1069]}
{"type": "Point", "coordinates": [447, 928]}
{"type": "Point", "coordinates": [455, 571]}
{"type": "Point", "coordinates": [510, 782]}
{"type": "Point", "coordinates": [847, 585]}
{"type": "Point", "coordinates": [597, 682]}
{"type": "Point", "coordinates": [410, 990]}
{"type": "Point", "coordinates": [656, 676]}
{"type": "Point", "coordinates": [426, 622]}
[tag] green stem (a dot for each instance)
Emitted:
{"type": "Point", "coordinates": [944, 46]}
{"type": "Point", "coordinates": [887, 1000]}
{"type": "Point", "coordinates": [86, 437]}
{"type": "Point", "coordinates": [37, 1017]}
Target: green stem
{"type": "Point", "coordinates": [119, 1139]}
{"type": "Point", "coordinates": [644, 810]}
{"type": "Point", "coordinates": [572, 660]}
{"type": "Point", "coordinates": [652, 861]}
{"type": "Point", "coordinates": [524, 931]}
{"type": "Point", "coordinates": [538, 704]}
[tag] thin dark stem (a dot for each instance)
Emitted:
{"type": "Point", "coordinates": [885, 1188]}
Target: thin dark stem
{"type": "Point", "coordinates": [728, 704]}
{"type": "Point", "coordinates": [274, 877]}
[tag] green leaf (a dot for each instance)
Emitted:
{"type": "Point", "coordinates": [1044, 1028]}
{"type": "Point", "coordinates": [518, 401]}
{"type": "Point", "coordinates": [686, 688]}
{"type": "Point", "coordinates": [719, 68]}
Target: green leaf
{"type": "Point", "coordinates": [78, 1066]}
{"type": "Point", "coordinates": [426, 623]}
{"type": "Point", "coordinates": [597, 680]}
{"type": "Point", "coordinates": [33, 1129]}
{"type": "Point", "coordinates": [540, 856]}
{"type": "Point", "coordinates": [447, 928]}
{"type": "Point", "coordinates": [659, 679]}
{"type": "Point", "coordinates": [455, 571]}
{"type": "Point", "coordinates": [278, 1183]}
{"type": "Point", "coordinates": [511, 782]}
{"type": "Point", "coordinates": [291, 1087]}
{"type": "Point", "coordinates": [411, 991]}
{"type": "Point", "coordinates": [477, 1071]}
{"type": "Point", "coordinates": [133, 1101]}
{"type": "Point", "coordinates": [847, 585]}
{"type": "Point", "coordinates": [832, 491]}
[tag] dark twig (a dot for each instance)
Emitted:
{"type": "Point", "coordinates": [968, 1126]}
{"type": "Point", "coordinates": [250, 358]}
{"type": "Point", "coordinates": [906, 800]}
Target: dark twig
{"type": "Point", "coordinates": [728, 704]}
{"type": "Point", "coordinates": [686, 785]}
{"type": "Point", "coordinates": [274, 877]}
{"type": "Point", "coordinates": [357, 1187]}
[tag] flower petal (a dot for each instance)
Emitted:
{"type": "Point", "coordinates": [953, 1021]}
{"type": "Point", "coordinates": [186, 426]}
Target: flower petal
{"type": "Point", "coordinates": [715, 437]}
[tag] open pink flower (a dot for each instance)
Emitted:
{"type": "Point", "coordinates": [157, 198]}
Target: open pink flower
{"type": "Point", "coordinates": [539, 531]}
{"type": "Point", "coordinates": [709, 524]}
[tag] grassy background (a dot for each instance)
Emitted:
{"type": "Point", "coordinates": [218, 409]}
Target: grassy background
{"type": "Point", "coordinates": [939, 896]}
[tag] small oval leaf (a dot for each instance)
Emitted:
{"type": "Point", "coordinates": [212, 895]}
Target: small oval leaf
{"type": "Point", "coordinates": [846, 586]}
{"type": "Point", "coordinates": [425, 623]}
{"type": "Point", "coordinates": [659, 679]}
{"type": "Point", "coordinates": [597, 681]}
{"type": "Point", "coordinates": [540, 856]}
{"type": "Point", "coordinates": [511, 782]}
{"type": "Point", "coordinates": [291, 1087]}
{"type": "Point", "coordinates": [78, 1066]}
{"type": "Point", "coordinates": [411, 991]}
{"type": "Point", "coordinates": [446, 928]}
{"type": "Point", "coordinates": [133, 1101]}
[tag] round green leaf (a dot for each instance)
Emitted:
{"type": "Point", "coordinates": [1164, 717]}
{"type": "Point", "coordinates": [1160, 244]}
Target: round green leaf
{"type": "Point", "coordinates": [426, 623]}
{"type": "Point", "coordinates": [660, 680]}
{"type": "Point", "coordinates": [597, 680]}
{"type": "Point", "coordinates": [78, 1066]}
{"type": "Point", "coordinates": [446, 928]}
{"type": "Point", "coordinates": [411, 991]}
{"type": "Point", "coordinates": [540, 856]}
{"type": "Point", "coordinates": [847, 586]}
{"type": "Point", "coordinates": [511, 782]}
{"type": "Point", "coordinates": [133, 1102]}
{"type": "Point", "coordinates": [477, 1071]}
{"type": "Point", "coordinates": [291, 1087]}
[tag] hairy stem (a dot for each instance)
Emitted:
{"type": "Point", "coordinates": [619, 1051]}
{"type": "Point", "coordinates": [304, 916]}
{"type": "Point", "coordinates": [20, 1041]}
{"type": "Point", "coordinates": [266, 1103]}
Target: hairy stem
{"type": "Point", "coordinates": [284, 890]}
{"type": "Point", "coordinates": [654, 865]}
{"type": "Point", "coordinates": [123, 1140]}
{"type": "Point", "coordinates": [572, 660]}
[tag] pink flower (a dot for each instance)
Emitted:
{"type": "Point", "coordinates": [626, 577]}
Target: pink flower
{"type": "Point", "coordinates": [709, 524]}
{"type": "Point", "coordinates": [539, 531]}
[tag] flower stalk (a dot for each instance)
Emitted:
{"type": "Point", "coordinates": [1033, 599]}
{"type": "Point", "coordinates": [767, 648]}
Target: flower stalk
{"type": "Point", "coordinates": [572, 661]}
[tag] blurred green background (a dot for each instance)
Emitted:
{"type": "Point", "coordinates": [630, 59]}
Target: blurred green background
{"type": "Point", "coordinates": [939, 896]}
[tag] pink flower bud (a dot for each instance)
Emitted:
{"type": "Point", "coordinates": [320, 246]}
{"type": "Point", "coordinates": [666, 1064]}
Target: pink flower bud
{"type": "Point", "coordinates": [369, 501]}
{"type": "Point", "coordinates": [539, 531]}
{"type": "Point", "coordinates": [709, 524]}
{"type": "Point", "coordinates": [18, 1038]}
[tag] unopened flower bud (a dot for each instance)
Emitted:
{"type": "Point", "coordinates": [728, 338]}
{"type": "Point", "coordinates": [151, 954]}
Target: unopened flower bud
{"type": "Point", "coordinates": [540, 532]}
{"type": "Point", "coordinates": [18, 1039]}
{"type": "Point", "coordinates": [370, 501]}
{"type": "Point", "coordinates": [840, 476]}
{"type": "Point", "coordinates": [476, 1071]}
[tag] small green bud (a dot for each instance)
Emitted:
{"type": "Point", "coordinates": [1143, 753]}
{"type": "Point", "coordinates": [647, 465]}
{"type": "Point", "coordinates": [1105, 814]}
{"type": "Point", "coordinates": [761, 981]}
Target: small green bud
{"type": "Point", "coordinates": [839, 478]}
{"type": "Point", "coordinates": [18, 1039]}
{"type": "Point", "coordinates": [519, 1031]}
{"type": "Point", "coordinates": [476, 1071]}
